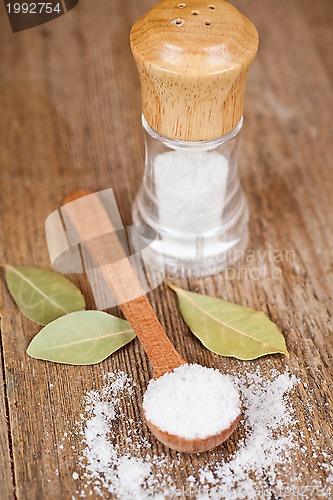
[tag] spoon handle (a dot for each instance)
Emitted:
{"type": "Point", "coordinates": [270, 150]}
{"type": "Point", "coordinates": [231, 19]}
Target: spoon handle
{"type": "Point", "coordinates": [147, 327]}
{"type": "Point", "coordinates": [119, 278]}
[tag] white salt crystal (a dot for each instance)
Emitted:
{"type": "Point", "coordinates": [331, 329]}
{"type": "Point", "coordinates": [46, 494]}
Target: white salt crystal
{"type": "Point", "coordinates": [206, 476]}
{"type": "Point", "coordinates": [192, 402]}
{"type": "Point", "coordinates": [75, 475]}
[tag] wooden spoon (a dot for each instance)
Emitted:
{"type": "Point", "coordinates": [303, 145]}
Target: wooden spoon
{"type": "Point", "coordinates": [92, 218]}
{"type": "Point", "coordinates": [196, 445]}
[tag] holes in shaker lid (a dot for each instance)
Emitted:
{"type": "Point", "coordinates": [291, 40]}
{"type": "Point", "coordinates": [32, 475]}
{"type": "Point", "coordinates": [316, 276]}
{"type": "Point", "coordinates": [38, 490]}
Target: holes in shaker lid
{"type": "Point", "coordinates": [195, 12]}
{"type": "Point", "coordinates": [208, 23]}
{"type": "Point", "coordinates": [211, 7]}
{"type": "Point", "coordinates": [178, 22]}
{"type": "Point", "coordinates": [182, 5]}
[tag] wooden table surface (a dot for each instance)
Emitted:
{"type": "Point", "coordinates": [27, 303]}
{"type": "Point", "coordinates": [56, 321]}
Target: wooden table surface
{"type": "Point", "coordinates": [70, 119]}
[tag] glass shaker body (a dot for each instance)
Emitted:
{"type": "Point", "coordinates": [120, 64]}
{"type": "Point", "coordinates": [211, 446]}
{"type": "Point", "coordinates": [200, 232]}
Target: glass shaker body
{"type": "Point", "coordinates": [192, 197]}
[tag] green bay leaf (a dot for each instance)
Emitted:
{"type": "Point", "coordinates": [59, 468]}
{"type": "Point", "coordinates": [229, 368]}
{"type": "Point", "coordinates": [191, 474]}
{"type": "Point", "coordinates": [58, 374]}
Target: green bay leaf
{"type": "Point", "coordinates": [229, 329]}
{"type": "Point", "coordinates": [81, 338]}
{"type": "Point", "coordinates": [42, 295]}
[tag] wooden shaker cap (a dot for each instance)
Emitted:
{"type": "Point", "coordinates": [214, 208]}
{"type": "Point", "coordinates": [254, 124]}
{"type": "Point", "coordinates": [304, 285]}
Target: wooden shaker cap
{"type": "Point", "coordinates": [193, 59]}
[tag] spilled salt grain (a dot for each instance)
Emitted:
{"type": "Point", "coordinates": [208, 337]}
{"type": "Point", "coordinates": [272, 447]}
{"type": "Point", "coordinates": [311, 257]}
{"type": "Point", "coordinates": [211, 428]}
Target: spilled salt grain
{"type": "Point", "coordinates": [192, 402]}
{"type": "Point", "coordinates": [132, 473]}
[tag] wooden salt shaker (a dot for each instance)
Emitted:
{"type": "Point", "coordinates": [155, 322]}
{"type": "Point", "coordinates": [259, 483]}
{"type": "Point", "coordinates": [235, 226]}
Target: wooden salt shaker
{"type": "Point", "coordinates": [193, 59]}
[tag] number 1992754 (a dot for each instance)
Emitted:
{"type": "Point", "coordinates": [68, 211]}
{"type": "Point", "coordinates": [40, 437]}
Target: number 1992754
{"type": "Point", "coordinates": [33, 8]}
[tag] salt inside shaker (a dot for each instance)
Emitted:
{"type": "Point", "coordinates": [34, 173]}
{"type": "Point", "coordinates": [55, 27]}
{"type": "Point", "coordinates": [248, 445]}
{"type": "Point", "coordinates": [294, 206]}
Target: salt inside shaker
{"type": "Point", "coordinates": [193, 59]}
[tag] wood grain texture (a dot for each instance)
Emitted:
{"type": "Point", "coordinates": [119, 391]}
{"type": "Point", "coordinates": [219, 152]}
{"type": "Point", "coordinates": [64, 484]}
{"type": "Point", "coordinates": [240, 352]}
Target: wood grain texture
{"type": "Point", "coordinates": [193, 59]}
{"type": "Point", "coordinates": [70, 119]}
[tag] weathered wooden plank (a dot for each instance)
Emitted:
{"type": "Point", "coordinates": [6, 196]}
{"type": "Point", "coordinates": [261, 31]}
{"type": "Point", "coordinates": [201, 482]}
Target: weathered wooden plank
{"type": "Point", "coordinates": [6, 462]}
{"type": "Point", "coordinates": [70, 109]}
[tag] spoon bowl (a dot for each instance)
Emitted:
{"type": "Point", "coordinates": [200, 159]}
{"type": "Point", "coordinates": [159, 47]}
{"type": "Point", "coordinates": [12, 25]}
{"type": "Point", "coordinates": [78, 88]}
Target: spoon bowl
{"type": "Point", "coordinates": [196, 445]}
{"type": "Point", "coordinates": [192, 409]}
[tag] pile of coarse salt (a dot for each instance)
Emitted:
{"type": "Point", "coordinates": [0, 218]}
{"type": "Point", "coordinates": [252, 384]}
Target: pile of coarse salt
{"type": "Point", "coordinates": [266, 439]}
{"type": "Point", "coordinates": [192, 402]}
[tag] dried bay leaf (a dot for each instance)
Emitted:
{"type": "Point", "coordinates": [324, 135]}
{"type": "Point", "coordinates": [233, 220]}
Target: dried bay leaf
{"type": "Point", "coordinates": [42, 295]}
{"type": "Point", "coordinates": [81, 338]}
{"type": "Point", "coordinates": [229, 329]}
